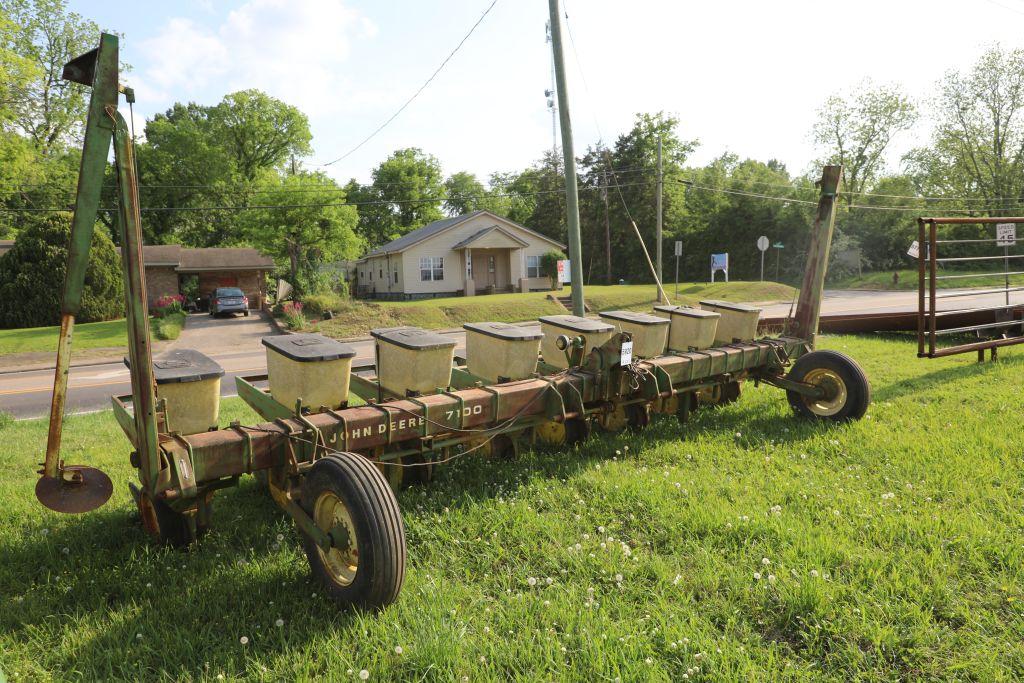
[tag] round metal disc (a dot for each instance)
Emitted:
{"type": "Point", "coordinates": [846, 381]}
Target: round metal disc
{"type": "Point", "coordinates": [89, 492]}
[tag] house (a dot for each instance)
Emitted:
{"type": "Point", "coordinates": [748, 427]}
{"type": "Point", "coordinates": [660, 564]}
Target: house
{"type": "Point", "coordinates": [170, 266]}
{"type": "Point", "coordinates": [476, 253]}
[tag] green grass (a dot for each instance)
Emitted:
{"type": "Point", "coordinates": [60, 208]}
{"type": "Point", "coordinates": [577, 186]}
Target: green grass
{"type": "Point", "coordinates": [109, 334]}
{"type": "Point", "coordinates": [908, 281]}
{"type": "Point", "coordinates": [358, 317]}
{"type": "Point", "coordinates": [894, 543]}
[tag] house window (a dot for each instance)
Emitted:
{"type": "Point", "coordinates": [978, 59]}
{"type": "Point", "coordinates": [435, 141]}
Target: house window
{"type": "Point", "coordinates": [371, 275]}
{"type": "Point", "coordinates": [381, 274]}
{"type": "Point", "coordinates": [533, 266]}
{"type": "Point", "coordinates": [490, 264]}
{"type": "Point", "coordinates": [396, 277]}
{"type": "Point", "coordinates": [431, 268]}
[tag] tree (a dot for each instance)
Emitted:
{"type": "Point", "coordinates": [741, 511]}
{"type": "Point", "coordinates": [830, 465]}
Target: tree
{"type": "Point", "coordinates": [549, 265]}
{"type": "Point", "coordinates": [462, 193]}
{"type": "Point", "coordinates": [16, 71]}
{"type": "Point", "coordinates": [259, 131]}
{"type": "Point", "coordinates": [856, 131]}
{"type": "Point", "coordinates": [407, 190]}
{"type": "Point", "coordinates": [32, 271]}
{"type": "Point", "coordinates": [977, 147]}
{"type": "Point", "coordinates": [48, 109]}
{"type": "Point", "coordinates": [302, 236]}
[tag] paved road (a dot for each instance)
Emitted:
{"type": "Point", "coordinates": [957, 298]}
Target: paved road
{"type": "Point", "coordinates": [234, 343]}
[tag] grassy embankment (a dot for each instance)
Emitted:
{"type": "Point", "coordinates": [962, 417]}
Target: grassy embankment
{"type": "Point", "coordinates": [882, 281]}
{"type": "Point", "coordinates": [761, 547]}
{"type": "Point", "coordinates": [358, 317]}
{"type": "Point", "coordinates": [111, 334]}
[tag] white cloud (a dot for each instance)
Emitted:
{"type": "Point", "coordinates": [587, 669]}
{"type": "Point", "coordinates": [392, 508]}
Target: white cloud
{"type": "Point", "coordinates": [294, 50]}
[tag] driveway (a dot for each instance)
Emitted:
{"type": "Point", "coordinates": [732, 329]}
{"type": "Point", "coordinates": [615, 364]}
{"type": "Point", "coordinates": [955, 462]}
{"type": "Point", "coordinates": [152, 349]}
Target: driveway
{"type": "Point", "coordinates": [231, 333]}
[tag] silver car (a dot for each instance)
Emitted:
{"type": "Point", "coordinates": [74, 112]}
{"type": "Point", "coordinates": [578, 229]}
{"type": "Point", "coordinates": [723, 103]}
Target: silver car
{"type": "Point", "coordinates": [229, 300]}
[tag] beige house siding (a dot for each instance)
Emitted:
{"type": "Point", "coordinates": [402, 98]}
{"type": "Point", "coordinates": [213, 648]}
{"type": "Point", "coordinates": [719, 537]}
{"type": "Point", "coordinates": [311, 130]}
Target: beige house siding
{"type": "Point", "coordinates": [505, 244]}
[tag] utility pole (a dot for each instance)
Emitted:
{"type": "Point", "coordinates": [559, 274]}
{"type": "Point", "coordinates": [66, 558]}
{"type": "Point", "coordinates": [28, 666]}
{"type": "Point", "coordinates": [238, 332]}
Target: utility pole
{"type": "Point", "coordinates": [607, 230]}
{"type": "Point", "coordinates": [657, 230]}
{"type": "Point", "coordinates": [808, 306]}
{"type": "Point", "coordinates": [572, 200]}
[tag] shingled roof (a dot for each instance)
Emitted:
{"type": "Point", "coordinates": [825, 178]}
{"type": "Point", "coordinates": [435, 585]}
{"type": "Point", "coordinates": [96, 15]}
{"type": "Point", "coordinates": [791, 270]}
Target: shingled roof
{"type": "Point", "coordinates": [224, 258]}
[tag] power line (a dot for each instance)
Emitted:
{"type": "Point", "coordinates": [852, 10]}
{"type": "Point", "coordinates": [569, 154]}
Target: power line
{"type": "Point", "coordinates": [421, 89]}
{"type": "Point", "coordinates": [249, 207]}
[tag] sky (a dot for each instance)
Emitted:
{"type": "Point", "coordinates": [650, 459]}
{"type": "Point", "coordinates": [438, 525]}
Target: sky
{"type": "Point", "coordinates": [743, 76]}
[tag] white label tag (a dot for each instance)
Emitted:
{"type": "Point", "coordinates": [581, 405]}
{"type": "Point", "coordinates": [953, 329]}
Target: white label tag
{"type": "Point", "coordinates": [626, 354]}
{"type": "Point", "coordinates": [915, 249]}
{"type": "Point", "coordinates": [1006, 234]}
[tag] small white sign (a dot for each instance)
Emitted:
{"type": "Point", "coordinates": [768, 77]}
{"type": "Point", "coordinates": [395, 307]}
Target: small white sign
{"type": "Point", "coordinates": [915, 250]}
{"type": "Point", "coordinates": [679, 248]}
{"type": "Point", "coordinates": [1006, 234]}
{"type": "Point", "coordinates": [563, 271]}
{"type": "Point", "coordinates": [763, 243]}
{"type": "Point", "coordinates": [626, 354]}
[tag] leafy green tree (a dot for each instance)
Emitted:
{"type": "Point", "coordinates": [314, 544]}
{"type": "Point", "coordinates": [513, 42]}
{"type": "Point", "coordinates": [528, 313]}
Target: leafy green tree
{"type": "Point", "coordinates": [883, 236]}
{"type": "Point", "coordinates": [16, 71]}
{"type": "Point", "coordinates": [32, 270]}
{"type": "Point", "coordinates": [302, 236]}
{"type": "Point", "coordinates": [977, 145]}
{"type": "Point", "coordinates": [48, 109]}
{"type": "Point", "coordinates": [462, 193]}
{"type": "Point", "coordinates": [549, 265]}
{"type": "Point", "coordinates": [406, 191]}
{"type": "Point", "coordinates": [857, 130]}
{"type": "Point", "coordinates": [259, 131]}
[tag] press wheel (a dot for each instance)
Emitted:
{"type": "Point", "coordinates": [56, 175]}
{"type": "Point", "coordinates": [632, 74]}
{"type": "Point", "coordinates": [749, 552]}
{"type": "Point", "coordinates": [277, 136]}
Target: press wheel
{"type": "Point", "coordinates": [847, 392]}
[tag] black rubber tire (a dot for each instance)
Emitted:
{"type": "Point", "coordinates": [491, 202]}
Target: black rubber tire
{"type": "Point", "coordinates": [858, 390]}
{"type": "Point", "coordinates": [379, 530]}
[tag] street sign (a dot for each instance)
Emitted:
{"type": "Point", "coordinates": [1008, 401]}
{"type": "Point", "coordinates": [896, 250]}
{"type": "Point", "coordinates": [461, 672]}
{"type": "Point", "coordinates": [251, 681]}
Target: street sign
{"type": "Point", "coordinates": [720, 262]}
{"type": "Point", "coordinates": [563, 271]}
{"type": "Point", "coordinates": [778, 245]}
{"type": "Point", "coordinates": [1006, 234]}
{"type": "Point", "coordinates": [679, 248]}
{"type": "Point", "coordinates": [915, 250]}
{"type": "Point", "coordinates": [762, 243]}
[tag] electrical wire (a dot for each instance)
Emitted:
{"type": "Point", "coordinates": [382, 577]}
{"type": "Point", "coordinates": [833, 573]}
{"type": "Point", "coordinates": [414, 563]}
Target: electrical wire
{"type": "Point", "coordinates": [417, 93]}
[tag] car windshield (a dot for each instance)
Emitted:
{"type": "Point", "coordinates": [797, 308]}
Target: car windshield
{"type": "Point", "coordinates": [229, 291]}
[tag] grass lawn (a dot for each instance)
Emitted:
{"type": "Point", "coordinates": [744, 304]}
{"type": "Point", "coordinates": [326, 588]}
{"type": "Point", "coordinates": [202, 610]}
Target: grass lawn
{"type": "Point", "coordinates": [908, 280]}
{"type": "Point", "coordinates": [760, 547]}
{"type": "Point", "coordinates": [109, 334]}
{"type": "Point", "coordinates": [361, 316]}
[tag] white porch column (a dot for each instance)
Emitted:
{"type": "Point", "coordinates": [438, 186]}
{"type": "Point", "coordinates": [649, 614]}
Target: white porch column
{"type": "Point", "coordinates": [469, 287]}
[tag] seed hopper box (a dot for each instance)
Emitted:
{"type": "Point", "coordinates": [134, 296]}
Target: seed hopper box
{"type": "Point", "coordinates": [189, 383]}
{"type": "Point", "coordinates": [649, 332]}
{"type": "Point", "coordinates": [594, 332]}
{"type": "Point", "coordinates": [501, 352]}
{"type": "Point", "coordinates": [411, 360]}
{"type": "Point", "coordinates": [691, 328]}
{"type": "Point", "coordinates": [308, 367]}
{"type": "Point", "coordinates": [738, 321]}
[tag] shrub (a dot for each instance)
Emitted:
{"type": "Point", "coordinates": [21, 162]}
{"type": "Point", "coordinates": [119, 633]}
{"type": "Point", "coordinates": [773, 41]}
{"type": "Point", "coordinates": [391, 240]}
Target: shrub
{"type": "Point", "coordinates": [549, 265]}
{"type": "Point", "coordinates": [318, 304]}
{"type": "Point", "coordinates": [170, 326]}
{"type": "Point", "coordinates": [165, 305]}
{"type": "Point", "coordinates": [32, 276]}
{"type": "Point", "coordinates": [294, 318]}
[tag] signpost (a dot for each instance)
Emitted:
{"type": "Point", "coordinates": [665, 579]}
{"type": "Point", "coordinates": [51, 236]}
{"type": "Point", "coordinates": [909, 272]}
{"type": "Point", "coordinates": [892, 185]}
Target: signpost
{"type": "Point", "coordinates": [762, 245]}
{"type": "Point", "coordinates": [720, 262]}
{"type": "Point", "coordinates": [679, 252]}
{"type": "Point", "coordinates": [1006, 237]}
{"type": "Point", "coordinates": [564, 271]}
{"type": "Point", "coordinates": [778, 247]}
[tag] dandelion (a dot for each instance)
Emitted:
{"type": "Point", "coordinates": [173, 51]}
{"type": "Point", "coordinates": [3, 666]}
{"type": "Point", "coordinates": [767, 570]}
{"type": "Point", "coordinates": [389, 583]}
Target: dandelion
{"type": "Point", "coordinates": [618, 578]}
{"type": "Point", "coordinates": [280, 537]}
{"type": "Point", "coordinates": [532, 581]}
{"type": "Point", "coordinates": [648, 661]}
{"type": "Point", "coordinates": [244, 640]}
{"type": "Point", "coordinates": [549, 581]}
{"type": "Point", "coordinates": [547, 603]}
{"type": "Point", "coordinates": [364, 674]}
{"type": "Point", "coordinates": [483, 660]}
{"type": "Point", "coordinates": [765, 561]}
{"type": "Point", "coordinates": [757, 576]}
{"type": "Point", "coordinates": [279, 623]}
{"type": "Point", "coordinates": [814, 573]}
{"type": "Point", "coordinates": [771, 578]}
{"type": "Point", "coordinates": [65, 550]}
{"type": "Point", "coordinates": [398, 649]}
